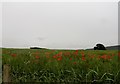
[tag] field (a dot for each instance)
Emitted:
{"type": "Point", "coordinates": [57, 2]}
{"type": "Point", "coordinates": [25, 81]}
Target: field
{"type": "Point", "coordinates": [63, 66]}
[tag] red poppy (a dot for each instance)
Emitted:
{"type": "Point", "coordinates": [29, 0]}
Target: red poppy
{"type": "Point", "coordinates": [67, 54]}
{"type": "Point", "coordinates": [104, 57]}
{"type": "Point", "coordinates": [37, 57]}
{"type": "Point", "coordinates": [118, 53]}
{"type": "Point", "coordinates": [60, 54]}
{"type": "Point", "coordinates": [70, 58]}
{"type": "Point", "coordinates": [54, 56]}
{"type": "Point", "coordinates": [82, 53]}
{"type": "Point", "coordinates": [113, 54]}
{"type": "Point", "coordinates": [13, 55]}
{"type": "Point", "coordinates": [98, 57]}
{"type": "Point", "coordinates": [83, 58]}
{"type": "Point", "coordinates": [108, 57]}
{"type": "Point", "coordinates": [75, 53]}
{"type": "Point", "coordinates": [74, 63]}
{"type": "Point", "coordinates": [92, 56]}
{"type": "Point", "coordinates": [59, 59]}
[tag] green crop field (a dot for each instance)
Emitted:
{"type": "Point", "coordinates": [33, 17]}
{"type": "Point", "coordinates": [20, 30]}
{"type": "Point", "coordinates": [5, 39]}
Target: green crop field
{"type": "Point", "coordinates": [62, 66]}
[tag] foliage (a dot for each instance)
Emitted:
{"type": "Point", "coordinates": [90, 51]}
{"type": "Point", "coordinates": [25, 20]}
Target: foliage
{"type": "Point", "coordinates": [42, 65]}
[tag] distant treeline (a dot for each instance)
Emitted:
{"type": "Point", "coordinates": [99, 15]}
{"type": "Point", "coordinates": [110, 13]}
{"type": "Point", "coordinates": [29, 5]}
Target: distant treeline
{"type": "Point", "coordinates": [117, 47]}
{"type": "Point", "coordinates": [36, 48]}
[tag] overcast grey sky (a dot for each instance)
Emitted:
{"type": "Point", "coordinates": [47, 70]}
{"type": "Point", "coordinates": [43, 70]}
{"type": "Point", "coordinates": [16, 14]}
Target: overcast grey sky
{"type": "Point", "coordinates": [70, 25]}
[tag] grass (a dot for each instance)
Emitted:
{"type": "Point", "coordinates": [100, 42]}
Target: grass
{"type": "Point", "coordinates": [43, 65]}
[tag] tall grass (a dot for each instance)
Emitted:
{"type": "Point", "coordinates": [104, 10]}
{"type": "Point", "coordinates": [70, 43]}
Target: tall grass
{"type": "Point", "coordinates": [42, 65]}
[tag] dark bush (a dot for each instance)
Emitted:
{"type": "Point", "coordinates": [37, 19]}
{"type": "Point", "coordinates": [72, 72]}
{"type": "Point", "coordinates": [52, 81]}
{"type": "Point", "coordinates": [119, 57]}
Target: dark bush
{"type": "Point", "coordinates": [35, 48]}
{"type": "Point", "coordinates": [99, 47]}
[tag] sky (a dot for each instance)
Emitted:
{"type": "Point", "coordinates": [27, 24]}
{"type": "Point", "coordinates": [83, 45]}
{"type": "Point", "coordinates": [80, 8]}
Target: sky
{"type": "Point", "coordinates": [59, 25]}
{"type": "Point", "coordinates": [0, 24]}
{"type": "Point", "coordinates": [59, 0]}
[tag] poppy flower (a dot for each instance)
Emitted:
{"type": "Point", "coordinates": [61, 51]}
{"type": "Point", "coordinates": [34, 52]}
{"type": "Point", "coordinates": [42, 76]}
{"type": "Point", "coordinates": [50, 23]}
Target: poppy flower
{"type": "Point", "coordinates": [82, 53]}
{"type": "Point", "coordinates": [92, 56]}
{"type": "Point", "coordinates": [119, 55]}
{"type": "Point", "coordinates": [70, 58]}
{"type": "Point", "coordinates": [47, 53]}
{"type": "Point", "coordinates": [98, 57]}
{"type": "Point", "coordinates": [37, 57]}
{"type": "Point", "coordinates": [108, 57]}
{"type": "Point", "coordinates": [74, 63]}
{"type": "Point", "coordinates": [13, 55]}
{"type": "Point", "coordinates": [75, 53]}
{"type": "Point", "coordinates": [54, 56]}
{"type": "Point", "coordinates": [83, 58]}
{"type": "Point", "coordinates": [104, 57]}
{"type": "Point", "coordinates": [60, 54]}
{"type": "Point", "coordinates": [59, 59]}
{"type": "Point", "coordinates": [67, 54]}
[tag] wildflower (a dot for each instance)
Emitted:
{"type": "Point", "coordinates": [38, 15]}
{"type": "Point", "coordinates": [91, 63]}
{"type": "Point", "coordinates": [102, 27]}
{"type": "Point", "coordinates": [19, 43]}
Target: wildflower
{"type": "Point", "coordinates": [98, 57]}
{"type": "Point", "coordinates": [47, 53]}
{"type": "Point", "coordinates": [118, 53]}
{"type": "Point", "coordinates": [104, 56]}
{"type": "Point", "coordinates": [70, 58]}
{"type": "Point", "coordinates": [92, 56]}
{"type": "Point", "coordinates": [82, 53]}
{"type": "Point", "coordinates": [13, 55]}
{"type": "Point", "coordinates": [54, 56]}
{"type": "Point", "coordinates": [37, 57]}
{"type": "Point", "coordinates": [113, 54]}
{"type": "Point", "coordinates": [67, 54]}
{"type": "Point", "coordinates": [83, 58]}
{"type": "Point", "coordinates": [74, 63]}
{"type": "Point", "coordinates": [108, 57]}
{"type": "Point", "coordinates": [60, 54]}
{"type": "Point", "coordinates": [59, 59]}
{"type": "Point", "coordinates": [76, 51]}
